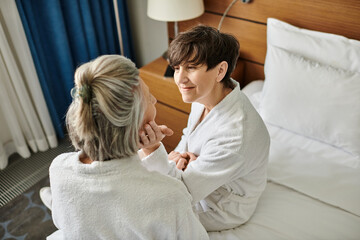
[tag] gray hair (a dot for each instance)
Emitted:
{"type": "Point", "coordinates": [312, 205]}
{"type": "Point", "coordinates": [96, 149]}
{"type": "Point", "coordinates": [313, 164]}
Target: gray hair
{"type": "Point", "coordinates": [105, 122]}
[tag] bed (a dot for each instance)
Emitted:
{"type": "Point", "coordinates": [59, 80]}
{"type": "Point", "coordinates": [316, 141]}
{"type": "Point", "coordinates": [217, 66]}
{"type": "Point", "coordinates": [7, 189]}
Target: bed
{"type": "Point", "coordinates": [300, 67]}
{"type": "Point", "coordinates": [310, 102]}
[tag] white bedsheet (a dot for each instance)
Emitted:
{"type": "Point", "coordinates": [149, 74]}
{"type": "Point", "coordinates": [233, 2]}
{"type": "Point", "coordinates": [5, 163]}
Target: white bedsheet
{"type": "Point", "coordinates": [283, 213]}
{"type": "Point", "coordinates": [313, 193]}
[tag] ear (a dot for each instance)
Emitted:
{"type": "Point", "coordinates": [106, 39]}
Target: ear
{"type": "Point", "coordinates": [222, 69]}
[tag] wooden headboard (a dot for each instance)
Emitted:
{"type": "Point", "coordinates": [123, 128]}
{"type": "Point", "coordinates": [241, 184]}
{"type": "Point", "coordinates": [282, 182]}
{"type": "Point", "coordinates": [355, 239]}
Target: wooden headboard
{"type": "Point", "coordinates": [247, 22]}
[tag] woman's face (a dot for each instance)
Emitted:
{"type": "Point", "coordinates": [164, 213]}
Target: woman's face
{"type": "Point", "coordinates": [195, 83]}
{"type": "Point", "coordinates": [149, 101]}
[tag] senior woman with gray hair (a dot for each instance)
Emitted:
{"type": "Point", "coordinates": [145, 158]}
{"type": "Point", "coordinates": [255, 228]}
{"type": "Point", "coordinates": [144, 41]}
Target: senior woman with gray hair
{"type": "Point", "coordinates": [103, 191]}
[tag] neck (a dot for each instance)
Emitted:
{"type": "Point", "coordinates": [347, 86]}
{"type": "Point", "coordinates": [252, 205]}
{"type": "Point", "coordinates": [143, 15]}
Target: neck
{"type": "Point", "coordinates": [215, 97]}
{"type": "Point", "coordinates": [85, 158]}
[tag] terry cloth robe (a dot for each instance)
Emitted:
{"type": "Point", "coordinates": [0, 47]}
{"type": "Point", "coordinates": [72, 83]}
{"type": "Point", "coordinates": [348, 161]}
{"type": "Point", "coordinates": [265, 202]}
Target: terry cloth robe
{"type": "Point", "coordinates": [229, 175]}
{"type": "Point", "coordinates": [119, 199]}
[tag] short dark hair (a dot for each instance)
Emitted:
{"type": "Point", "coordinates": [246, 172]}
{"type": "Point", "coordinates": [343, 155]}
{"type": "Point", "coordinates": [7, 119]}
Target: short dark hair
{"type": "Point", "coordinates": [205, 45]}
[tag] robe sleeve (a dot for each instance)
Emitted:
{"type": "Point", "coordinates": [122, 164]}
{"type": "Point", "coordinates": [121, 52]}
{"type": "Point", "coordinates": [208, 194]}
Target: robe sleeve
{"type": "Point", "coordinates": [156, 161]}
{"type": "Point", "coordinates": [221, 160]}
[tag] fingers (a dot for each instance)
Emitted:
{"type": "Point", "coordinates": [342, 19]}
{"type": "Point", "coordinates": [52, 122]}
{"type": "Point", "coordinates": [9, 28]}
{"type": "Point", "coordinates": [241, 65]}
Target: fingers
{"type": "Point", "coordinates": [165, 130]}
{"type": "Point", "coordinates": [174, 156]}
{"type": "Point", "coordinates": [181, 164]}
{"type": "Point", "coordinates": [173, 153]}
{"type": "Point", "coordinates": [182, 160]}
{"type": "Point", "coordinates": [192, 156]}
{"type": "Point", "coordinates": [156, 130]}
{"type": "Point", "coordinates": [151, 135]}
{"type": "Point", "coordinates": [143, 138]}
{"type": "Point", "coordinates": [188, 155]}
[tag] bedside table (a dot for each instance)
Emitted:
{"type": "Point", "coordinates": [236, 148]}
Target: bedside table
{"type": "Point", "coordinates": [171, 110]}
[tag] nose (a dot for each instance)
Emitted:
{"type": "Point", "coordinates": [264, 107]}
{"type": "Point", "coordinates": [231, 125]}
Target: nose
{"type": "Point", "coordinates": [180, 75]}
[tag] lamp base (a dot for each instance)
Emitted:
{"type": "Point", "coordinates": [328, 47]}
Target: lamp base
{"type": "Point", "coordinates": [169, 72]}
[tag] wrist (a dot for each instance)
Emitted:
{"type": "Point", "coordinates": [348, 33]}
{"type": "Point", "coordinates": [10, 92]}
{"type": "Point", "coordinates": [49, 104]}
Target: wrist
{"type": "Point", "coordinates": [147, 151]}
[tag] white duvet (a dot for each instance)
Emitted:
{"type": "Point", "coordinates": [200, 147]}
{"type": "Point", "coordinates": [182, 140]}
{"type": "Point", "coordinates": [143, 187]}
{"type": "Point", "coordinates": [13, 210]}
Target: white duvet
{"type": "Point", "coordinates": [313, 193]}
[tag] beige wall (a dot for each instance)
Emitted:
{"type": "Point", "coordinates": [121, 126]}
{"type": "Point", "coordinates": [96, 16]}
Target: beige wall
{"type": "Point", "coordinates": [149, 36]}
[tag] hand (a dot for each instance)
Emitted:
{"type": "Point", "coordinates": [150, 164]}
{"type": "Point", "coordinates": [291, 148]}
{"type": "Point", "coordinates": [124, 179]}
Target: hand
{"type": "Point", "coordinates": [191, 157]}
{"type": "Point", "coordinates": [182, 160]}
{"type": "Point", "coordinates": [179, 160]}
{"type": "Point", "coordinates": [151, 136]}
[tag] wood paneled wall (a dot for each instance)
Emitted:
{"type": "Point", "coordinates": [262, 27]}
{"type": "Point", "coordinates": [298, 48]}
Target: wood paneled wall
{"type": "Point", "coordinates": [247, 22]}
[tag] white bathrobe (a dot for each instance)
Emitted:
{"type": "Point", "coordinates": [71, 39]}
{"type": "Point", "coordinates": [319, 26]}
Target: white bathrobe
{"type": "Point", "coordinates": [119, 199]}
{"type": "Point", "coordinates": [229, 175]}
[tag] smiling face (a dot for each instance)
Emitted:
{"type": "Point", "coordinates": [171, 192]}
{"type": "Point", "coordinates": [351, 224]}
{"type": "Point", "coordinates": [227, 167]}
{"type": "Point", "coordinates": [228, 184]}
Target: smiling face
{"type": "Point", "coordinates": [198, 84]}
{"type": "Point", "coordinates": [205, 45]}
{"type": "Point", "coordinates": [149, 101]}
{"type": "Point", "coordinates": [195, 83]}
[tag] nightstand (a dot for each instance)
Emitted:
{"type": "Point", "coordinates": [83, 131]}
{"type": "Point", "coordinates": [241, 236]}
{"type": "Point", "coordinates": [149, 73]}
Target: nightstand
{"type": "Point", "coordinates": [171, 110]}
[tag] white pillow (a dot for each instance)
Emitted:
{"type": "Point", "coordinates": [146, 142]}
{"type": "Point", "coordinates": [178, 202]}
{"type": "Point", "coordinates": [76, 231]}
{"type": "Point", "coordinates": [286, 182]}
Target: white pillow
{"type": "Point", "coordinates": [329, 49]}
{"type": "Point", "coordinates": [311, 99]}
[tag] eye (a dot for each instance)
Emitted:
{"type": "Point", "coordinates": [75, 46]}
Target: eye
{"type": "Point", "coordinates": [176, 68]}
{"type": "Point", "coordinates": [191, 67]}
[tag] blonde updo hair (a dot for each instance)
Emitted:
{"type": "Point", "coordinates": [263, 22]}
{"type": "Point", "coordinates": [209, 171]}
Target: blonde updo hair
{"type": "Point", "coordinates": [105, 123]}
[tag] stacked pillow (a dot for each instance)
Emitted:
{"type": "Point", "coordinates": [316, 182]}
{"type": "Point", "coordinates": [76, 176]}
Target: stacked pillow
{"type": "Point", "coordinates": [312, 85]}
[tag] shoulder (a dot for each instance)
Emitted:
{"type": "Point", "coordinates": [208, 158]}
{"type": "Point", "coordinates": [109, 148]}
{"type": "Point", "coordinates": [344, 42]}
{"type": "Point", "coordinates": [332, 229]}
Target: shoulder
{"type": "Point", "coordinates": [239, 113]}
{"type": "Point", "coordinates": [64, 159]}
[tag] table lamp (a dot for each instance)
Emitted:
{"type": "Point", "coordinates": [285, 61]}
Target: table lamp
{"type": "Point", "coordinates": [174, 11]}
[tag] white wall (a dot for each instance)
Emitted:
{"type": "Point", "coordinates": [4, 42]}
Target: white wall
{"type": "Point", "coordinates": [150, 36]}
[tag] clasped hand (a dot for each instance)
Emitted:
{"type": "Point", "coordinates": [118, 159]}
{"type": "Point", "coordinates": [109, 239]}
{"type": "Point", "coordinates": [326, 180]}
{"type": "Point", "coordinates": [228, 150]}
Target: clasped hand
{"type": "Point", "coordinates": [182, 160]}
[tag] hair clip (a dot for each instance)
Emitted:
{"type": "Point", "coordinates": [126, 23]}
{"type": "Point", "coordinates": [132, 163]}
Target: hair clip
{"type": "Point", "coordinates": [74, 93]}
{"type": "Point", "coordinates": [84, 92]}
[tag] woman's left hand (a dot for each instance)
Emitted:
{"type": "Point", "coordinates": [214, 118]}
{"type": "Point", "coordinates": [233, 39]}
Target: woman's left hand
{"type": "Point", "coordinates": [151, 136]}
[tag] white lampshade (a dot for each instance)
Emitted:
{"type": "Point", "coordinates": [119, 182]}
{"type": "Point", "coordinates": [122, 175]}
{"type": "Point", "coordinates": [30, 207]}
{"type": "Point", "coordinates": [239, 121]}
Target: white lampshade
{"type": "Point", "coordinates": [174, 10]}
